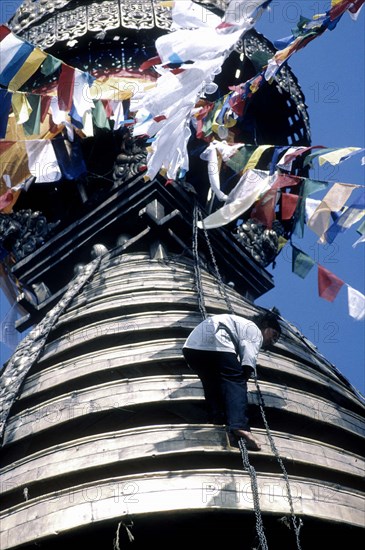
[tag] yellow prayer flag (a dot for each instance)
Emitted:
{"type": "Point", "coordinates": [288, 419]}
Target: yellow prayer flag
{"type": "Point", "coordinates": [29, 67]}
{"type": "Point", "coordinates": [334, 157]}
{"type": "Point", "coordinates": [333, 201]}
{"type": "Point", "coordinates": [21, 107]}
{"type": "Point", "coordinates": [255, 157]}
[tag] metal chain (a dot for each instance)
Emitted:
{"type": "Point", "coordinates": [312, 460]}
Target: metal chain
{"type": "Point", "coordinates": [32, 345]}
{"type": "Point", "coordinates": [197, 272]}
{"type": "Point", "coordinates": [255, 493]}
{"type": "Point", "coordinates": [297, 523]}
{"type": "Point", "coordinates": [222, 287]}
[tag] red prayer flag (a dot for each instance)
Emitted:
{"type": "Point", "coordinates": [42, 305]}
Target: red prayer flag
{"type": "Point", "coordinates": [108, 107]}
{"type": "Point", "coordinates": [285, 180]}
{"type": "Point", "coordinates": [4, 31]}
{"type": "Point", "coordinates": [65, 88]}
{"type": "Point", "coordinates": [264, 211]}
{"type": "Point", "coordinates": [45, 104]}
{"type": "Point", "coordinates": [288, 205]}
{"type": "Point", "coordinates": [6, 199]}
{"type": "Point", "coordinates": [328, 284]}
{"type": "Point", "coordinates": [5, 145]}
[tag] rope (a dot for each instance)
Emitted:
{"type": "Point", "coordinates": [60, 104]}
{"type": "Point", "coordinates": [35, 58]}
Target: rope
{"type": "Point", "coordinates": [197, 272]}
{"type": "Point", "coordinates": [255, 494]}
{"type": "Point", "coordinates": [297, 524]}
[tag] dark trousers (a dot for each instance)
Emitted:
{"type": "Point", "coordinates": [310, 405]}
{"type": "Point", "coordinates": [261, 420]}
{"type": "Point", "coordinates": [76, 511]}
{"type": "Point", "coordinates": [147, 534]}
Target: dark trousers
{"type": "Point", "coordinates": [224, 382]}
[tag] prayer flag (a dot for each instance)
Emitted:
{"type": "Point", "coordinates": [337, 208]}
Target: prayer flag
{"type": "Point", "coordinates": [33, 125]}
{"type": "Point", "coordinates": [69, 158]}
{"type": "Point", "coordinates": [329, 284]}
{"type": "Point", "coordinates": [250, 187]}
{"type": "Point", "coordinates": [29, 67]}
{"type": "Point", "coordinates": [264, 210]}
{"type": "Point", "coordinates": [42, 161]}
{"type": "Point", "coordinates": [333, 201]}
{"type": "Point", "coordinates": [309, 187]}
{"type": "Point", "coordinates": [21, 107]}
{"type": "Point", "coordinates": [5, 104]}
{"type": "Point", "coordinates": [6, 199]}
{"type": "Point", "coordinates": [99, 115]}
{"type": "Point", "coordinates": [338, 155]}
{"type": "Point", "coordinates": [353, 214]}
{"type": "Point", "coordinates": [356, 303]}
{"type": "Point", "coordinates": [65, 87]}
{"type": "Point", "coordinates": [13, 54]}
{"type": "Point", "coordinates": [289, 204]}
{"type": "Point", "coordinates": [50, 65]}
{"type": "Point", "coordinates": [301, 262]}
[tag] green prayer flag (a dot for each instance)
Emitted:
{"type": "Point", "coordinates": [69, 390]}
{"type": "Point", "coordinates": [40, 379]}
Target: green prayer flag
{"type": "Point", "coordinates": [301, 262]}
{"type": "Point", "coordinates": [33, 125]}
{"type": "Point", "coordinates": [240, 158]}
{"type": "Point", "coordinates": [50, 65]}
{"type": "Point", "coordinates": [361, 228]}
{"type": "Point", "coordinates": [99, 115]}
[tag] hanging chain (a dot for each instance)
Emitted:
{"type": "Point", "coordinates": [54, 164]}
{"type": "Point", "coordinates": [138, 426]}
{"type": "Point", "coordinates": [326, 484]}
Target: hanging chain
{"type": "Point", "coordinates": [255, 494]}
{"type": "Point", "coordinates": [32, 345]}
{"type": "Point", "coordinates": [197, 271]}
{"type": "Point", "coordinates": [297, 523]}
{"type": "Point", "coordinates": [222, 287]}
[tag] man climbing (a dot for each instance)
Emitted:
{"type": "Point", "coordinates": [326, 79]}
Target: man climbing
{"type": "Point", "coordinates": [223, 350]}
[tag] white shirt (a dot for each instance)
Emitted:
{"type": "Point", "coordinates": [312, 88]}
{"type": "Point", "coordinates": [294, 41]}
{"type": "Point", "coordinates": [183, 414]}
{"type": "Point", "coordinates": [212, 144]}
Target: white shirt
{"type": "Point", "coordinates": [228, 333]}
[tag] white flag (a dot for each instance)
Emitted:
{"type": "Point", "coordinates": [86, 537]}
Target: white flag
{"type": "Point", "coordinates": [356, 302]}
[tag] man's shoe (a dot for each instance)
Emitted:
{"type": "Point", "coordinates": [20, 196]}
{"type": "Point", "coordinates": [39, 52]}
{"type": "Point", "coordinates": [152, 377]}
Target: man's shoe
{"type": "Point", "coordinates": [249, 440]}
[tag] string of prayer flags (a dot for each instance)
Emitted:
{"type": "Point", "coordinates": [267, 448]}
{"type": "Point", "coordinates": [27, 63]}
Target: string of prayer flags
{"type": "Point", "coordinates": [301, 262]}
{"type": "Point", "coordinates": [329, 284]}
{"type": "Point", "coordinates": [305, 32]}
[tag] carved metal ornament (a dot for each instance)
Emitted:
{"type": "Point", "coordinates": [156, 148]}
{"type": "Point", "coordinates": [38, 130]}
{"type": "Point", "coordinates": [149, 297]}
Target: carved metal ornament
{"type": "Point", "coordinates": [22, 232]}
{"type": "Point", "coordinates": [262, 243]}
{"type": "Point", "coordinates": [131, 161]}
{"type": "Point", "coordinates": [70, 22]}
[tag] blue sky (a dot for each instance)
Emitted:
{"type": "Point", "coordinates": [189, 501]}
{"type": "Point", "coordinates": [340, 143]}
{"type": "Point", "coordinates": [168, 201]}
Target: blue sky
{"type": "Point", "coordinates": [330, 71]}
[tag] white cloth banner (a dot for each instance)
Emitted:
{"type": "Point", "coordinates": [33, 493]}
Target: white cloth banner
{"type": "Point", "coordinates": [202, 50]}
{"type": "Point", "coordinates": [356, 303]}
{"type": "Point", "coordinates": [252, 185]}
{"type": "Point", "coordinates": [210, 155]}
